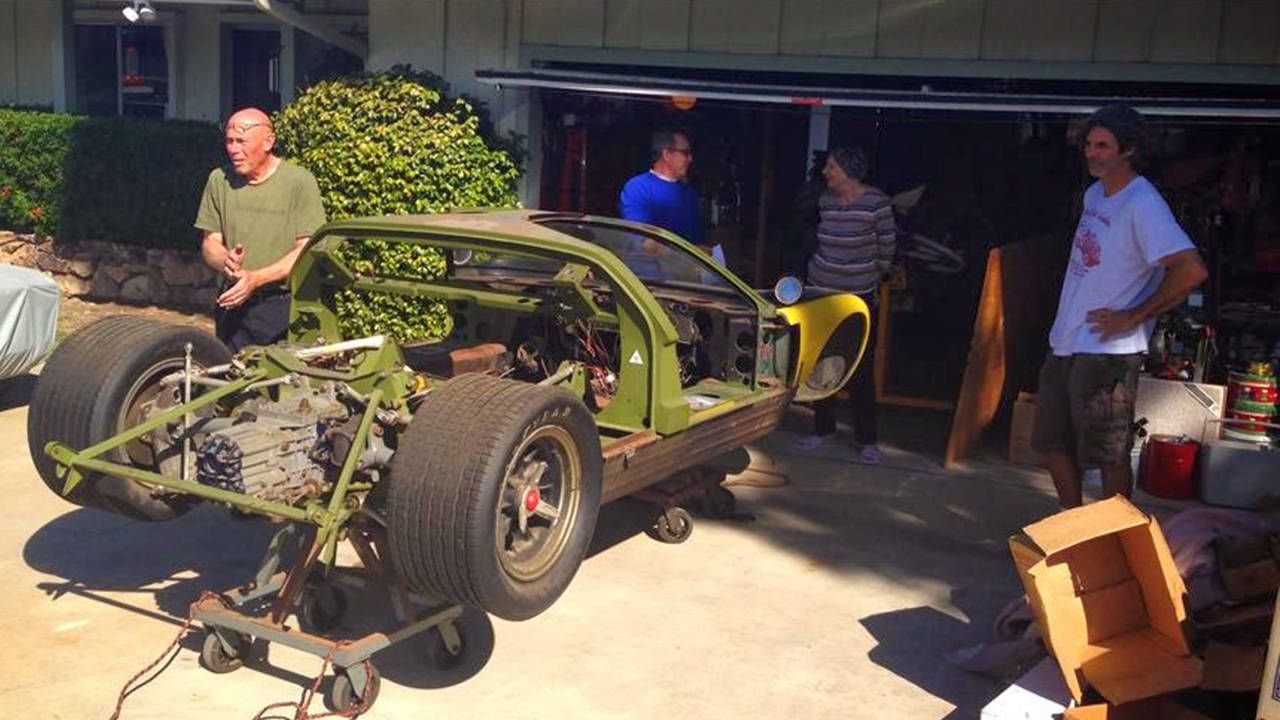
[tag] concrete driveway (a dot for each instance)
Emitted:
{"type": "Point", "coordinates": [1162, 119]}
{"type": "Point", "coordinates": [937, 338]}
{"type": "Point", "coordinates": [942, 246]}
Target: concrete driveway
{"type": "Point", "coordinates": [839, 600]}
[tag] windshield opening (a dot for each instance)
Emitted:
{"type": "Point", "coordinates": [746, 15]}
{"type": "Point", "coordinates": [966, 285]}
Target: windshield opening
{"type": "Point", "coordinates": [648, 256]}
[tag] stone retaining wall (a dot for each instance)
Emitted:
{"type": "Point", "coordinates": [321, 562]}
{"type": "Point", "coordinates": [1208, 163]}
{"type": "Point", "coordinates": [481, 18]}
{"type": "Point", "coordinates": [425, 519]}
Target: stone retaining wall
{"type": "Point", "coordinates": [115, 272]}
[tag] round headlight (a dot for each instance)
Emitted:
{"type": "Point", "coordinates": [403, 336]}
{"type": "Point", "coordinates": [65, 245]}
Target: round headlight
{"type": "Point", "coordinates": [788, 289]}
{"type": "Point", "coordinates": [462, 256]}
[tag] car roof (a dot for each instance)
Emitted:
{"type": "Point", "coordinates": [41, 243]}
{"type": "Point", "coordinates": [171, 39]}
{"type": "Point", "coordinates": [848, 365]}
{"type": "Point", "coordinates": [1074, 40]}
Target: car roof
{"type": "Point", "coordinates": [521, 222]}
{"type": "Point", "coordinates": [525, 224]}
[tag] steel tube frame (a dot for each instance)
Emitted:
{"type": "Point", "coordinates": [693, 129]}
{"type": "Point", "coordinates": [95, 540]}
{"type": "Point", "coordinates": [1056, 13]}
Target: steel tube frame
{"type": "Point", "coordinates": [69, 459]}
{"type": "Point", "coordinates": [327, 518]}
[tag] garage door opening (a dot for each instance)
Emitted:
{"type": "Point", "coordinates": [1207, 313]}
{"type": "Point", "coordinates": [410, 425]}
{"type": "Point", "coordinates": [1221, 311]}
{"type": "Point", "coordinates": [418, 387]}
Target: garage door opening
{"type": "Point", "coordinates": [992, 177]}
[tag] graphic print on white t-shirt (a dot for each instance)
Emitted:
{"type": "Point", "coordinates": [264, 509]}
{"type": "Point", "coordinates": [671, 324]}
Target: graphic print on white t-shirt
{"type": "Point", "coordinates": [1088, 251]}
{"type": "Point", "coordinates": [1115, 264]}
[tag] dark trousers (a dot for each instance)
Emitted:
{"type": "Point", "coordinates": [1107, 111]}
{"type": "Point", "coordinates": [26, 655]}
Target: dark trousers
{"type": "Point", "coordinates": [263, 319]}
{"type": "Point", "coordinates": [861, 402]}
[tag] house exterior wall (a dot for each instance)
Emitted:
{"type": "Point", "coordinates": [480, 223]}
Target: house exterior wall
{"type": "Point", "coordinates": [407, 32]}
{"type": "Point", "coordinates": [33, 51]}
{"type": "Point", "coordinates": [28, 29]}
{"type": "Point", "coordinates": [1208, 41]}
{"type": "Point", "coordinates": [454, 38]}
{"type": "Point", "coordinates": [8, 52]}
{"type": "Point", "coordinates": [198, 45]}
{"type": "Point", "coordinates": [1098, 32]}
{"type": "Point", "coordinates": [37, 52]}
{"type": "Point", "coordinates": [1216, 41]}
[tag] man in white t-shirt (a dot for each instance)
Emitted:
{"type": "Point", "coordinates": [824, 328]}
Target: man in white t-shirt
{"type": "Point", "coordinates": [1130, 262]}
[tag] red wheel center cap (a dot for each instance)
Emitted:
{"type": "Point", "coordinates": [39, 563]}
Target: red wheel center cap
{"type": "Point", "coordinates": [531, 499]}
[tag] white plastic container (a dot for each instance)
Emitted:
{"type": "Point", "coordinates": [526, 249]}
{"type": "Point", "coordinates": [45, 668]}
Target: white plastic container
{"type": "Point", "coordinates": [1239, 474]}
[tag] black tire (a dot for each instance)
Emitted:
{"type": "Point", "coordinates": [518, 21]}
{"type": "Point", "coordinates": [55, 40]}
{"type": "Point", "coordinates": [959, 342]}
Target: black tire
{"type": "Point", "coordinates": [454, 532]}
{"type": "Point", "coordinates": [86, 387]}
{"type": "Point", "coordinates": [344, 698]}
{"type": "Point", "coordinates": [214, 656]}
{"type": "Point", "coordinates": [673, 526]}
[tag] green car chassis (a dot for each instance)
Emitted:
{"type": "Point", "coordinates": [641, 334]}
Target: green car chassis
{"type": "Point", "coordinates": [587, 359]}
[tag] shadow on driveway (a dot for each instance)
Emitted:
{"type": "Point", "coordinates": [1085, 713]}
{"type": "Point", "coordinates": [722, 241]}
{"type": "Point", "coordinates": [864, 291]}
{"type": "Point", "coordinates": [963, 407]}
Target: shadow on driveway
{"type": "Point", "coordinates": [16, 392]}
{"type": "Point", "coordinates": [909, 523]}
{"type": "Point", "coordinates": [910, 643]}
{"type": "Point", "coordinates": [169, 564]}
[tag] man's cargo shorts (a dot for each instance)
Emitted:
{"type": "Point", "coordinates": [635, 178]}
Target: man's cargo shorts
{"type": "Point", "coordinates": [1085, 405]}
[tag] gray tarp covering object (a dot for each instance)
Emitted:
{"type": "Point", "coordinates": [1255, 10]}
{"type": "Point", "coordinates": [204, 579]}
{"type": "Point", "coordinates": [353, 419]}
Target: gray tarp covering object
{"type": "Point", "coordinates": [28, 318]}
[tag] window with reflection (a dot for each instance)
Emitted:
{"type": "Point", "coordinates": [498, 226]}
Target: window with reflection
{"type": "Point", "coordinates": [121, 70]}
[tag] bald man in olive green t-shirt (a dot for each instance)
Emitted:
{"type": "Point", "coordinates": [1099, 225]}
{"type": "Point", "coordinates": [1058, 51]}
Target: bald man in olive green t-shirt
{"type": "Point", "coordinates": [256, 221]}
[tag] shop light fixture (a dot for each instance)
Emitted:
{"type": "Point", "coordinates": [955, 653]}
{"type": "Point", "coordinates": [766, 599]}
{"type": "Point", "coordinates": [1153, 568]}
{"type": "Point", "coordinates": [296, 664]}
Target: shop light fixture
{"type": "Point", "coordinates": [139, 10]}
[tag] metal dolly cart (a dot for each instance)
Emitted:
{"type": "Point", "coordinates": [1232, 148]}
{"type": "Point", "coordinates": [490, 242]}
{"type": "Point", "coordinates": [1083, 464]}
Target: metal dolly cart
{"type": "Point", "coordinates": [260, 607]}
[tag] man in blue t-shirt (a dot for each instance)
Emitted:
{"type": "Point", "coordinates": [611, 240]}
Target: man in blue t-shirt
{"type": "Point", "coordinates": [1130, 262]}
{"type": "Point", "coordinates": [661, 197]}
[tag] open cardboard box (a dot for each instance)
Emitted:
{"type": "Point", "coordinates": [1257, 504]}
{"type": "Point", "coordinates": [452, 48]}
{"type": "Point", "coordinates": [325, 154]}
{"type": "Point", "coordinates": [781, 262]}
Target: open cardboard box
{"type": "Point", "coordinates": [1108, 599]}
{"type": "Point", "coordinates": [1269, 694]}
{"type": "Point", "coordinates": [1150, 709]}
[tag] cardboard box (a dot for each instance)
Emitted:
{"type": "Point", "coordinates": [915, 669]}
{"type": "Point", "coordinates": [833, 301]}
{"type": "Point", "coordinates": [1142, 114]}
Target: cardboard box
{"type": "Point", "coordinates": [1233, 668]}
{"type": "Point", "coordinates": [1108, 600]}
{"type": "Point", "coordinates": [1152, 709]}
{"type": "Point", "coordinates": [1252, 581]}
{"type": "Point", "coordinates": [1088, 712]}
{"type": "Point", "coordinates": [1269, 692]}
{"type": "Point", "coordinates": [1149, 709]}
{"type": "Point", "coordinates": [1247, 567]}
{"type": "Point", "coordinates": [1236, 624]}
{"type": "Point", "coordinates": [1024, 419]}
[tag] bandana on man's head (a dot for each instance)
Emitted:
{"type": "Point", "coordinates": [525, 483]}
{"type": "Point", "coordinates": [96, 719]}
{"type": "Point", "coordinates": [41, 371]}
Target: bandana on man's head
{"type": "Point", "coordinates": [245, 126]}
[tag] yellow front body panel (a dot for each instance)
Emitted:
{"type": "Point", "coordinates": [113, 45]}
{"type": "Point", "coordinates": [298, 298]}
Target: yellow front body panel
{"type": "Point", "coordinates": [817, 320]}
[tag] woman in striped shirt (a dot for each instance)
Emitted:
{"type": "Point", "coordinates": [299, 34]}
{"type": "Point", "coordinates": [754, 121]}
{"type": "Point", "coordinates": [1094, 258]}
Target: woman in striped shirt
{"type": "Point", "coordinates": [856, 241]}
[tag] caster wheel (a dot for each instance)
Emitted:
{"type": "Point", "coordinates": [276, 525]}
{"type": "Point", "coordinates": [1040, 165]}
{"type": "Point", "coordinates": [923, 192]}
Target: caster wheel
{"type": "Point", "coordinates": [439, 656]}
{"type": "Point", "coordinates": [719, 502]}
{"type": "Point", "coordinates": [215, 657]}
{"type": "Point", "coordinates": [323, 606]}
{"type": "Point", "coordinates": [344, 697]}
{"type": "Point", "coordinates": [673, 526]}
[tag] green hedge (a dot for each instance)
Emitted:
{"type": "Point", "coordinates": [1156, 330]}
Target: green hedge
{"type": "Point", "coordinates": [390, 143]}
{"type": "Point", "coordinates": [393, 142]}
{"type": "Point", "coordinates": [378, 143]}
{"type": "Point", "coordinates": [116, 179]}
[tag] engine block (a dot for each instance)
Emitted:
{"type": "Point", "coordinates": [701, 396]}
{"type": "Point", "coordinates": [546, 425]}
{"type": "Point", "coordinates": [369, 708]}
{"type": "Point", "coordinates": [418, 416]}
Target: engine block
{"type": "Point", "coordinates": [276, 451]}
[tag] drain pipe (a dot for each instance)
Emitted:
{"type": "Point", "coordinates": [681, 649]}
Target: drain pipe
{"type": "Point", "coordinates": [296, 19]}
